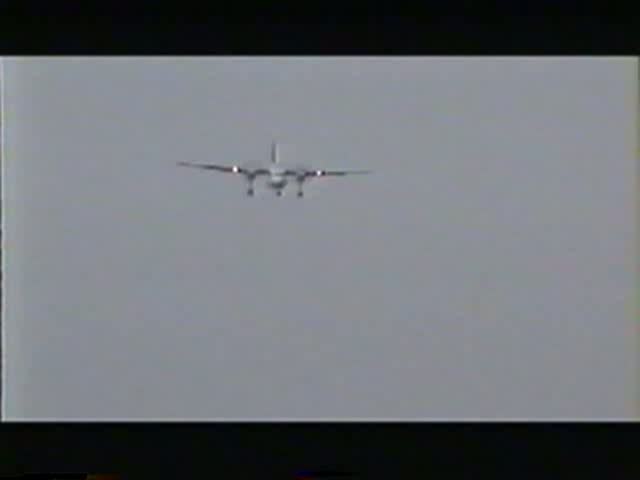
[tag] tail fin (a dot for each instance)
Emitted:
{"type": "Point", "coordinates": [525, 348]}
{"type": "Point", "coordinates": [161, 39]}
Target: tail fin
{"type": "Point", "coordinates": [274, 153]}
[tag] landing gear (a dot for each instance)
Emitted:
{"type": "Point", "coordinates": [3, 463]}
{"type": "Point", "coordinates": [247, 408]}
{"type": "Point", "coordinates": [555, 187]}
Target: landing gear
{"type": "Point", "coordinates": [250, 183]}
{"type": "Point", "coordinates": [300, 182]}
{"type": "Point", "coordinates": [279, 193]}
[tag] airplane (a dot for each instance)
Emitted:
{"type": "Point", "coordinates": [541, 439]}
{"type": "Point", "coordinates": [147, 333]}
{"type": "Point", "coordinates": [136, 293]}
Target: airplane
{"type": "Point", "coordinates": [277, 175]}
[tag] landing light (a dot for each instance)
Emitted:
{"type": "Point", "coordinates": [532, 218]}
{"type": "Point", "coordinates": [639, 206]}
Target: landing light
{"type": "Point", "coordinates": [234, 169]}
{"type": "Point", "coordinates": [318, 173]}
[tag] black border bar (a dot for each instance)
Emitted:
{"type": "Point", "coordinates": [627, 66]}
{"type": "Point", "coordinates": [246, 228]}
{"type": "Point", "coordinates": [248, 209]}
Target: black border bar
{"type": "Point", "coordinates": [282, 35]}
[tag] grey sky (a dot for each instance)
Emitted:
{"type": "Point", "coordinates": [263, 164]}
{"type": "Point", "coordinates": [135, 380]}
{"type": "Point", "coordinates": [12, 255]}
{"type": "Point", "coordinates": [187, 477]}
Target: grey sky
{"type": "Point", "coordinates": [484, 270]}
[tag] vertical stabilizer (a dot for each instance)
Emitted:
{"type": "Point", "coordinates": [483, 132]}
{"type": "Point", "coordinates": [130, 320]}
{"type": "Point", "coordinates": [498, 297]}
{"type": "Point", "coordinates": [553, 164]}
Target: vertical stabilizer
{"type": "Point", "coordinates": [274, 153]}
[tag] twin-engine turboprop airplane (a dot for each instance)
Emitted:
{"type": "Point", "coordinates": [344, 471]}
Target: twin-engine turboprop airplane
{"type": "Point", "coordinates": [277, 176]}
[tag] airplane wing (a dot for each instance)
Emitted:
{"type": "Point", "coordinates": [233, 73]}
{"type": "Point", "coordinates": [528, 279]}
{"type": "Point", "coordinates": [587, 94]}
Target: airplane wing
{"type": "Point", "coordinates": [324, 173]}
{"type": "Point", "coordinates": [338, 173]}
{"type": "Point", "coordinates": [225, 168]}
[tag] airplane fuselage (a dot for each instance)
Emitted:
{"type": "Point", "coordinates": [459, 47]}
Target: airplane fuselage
{"type": "Point", "coordinates": [277, 179]}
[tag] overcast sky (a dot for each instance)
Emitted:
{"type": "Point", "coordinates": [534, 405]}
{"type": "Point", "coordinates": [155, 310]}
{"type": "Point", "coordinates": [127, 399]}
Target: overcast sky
{"type": "Point", "coordinates": [484, 270]}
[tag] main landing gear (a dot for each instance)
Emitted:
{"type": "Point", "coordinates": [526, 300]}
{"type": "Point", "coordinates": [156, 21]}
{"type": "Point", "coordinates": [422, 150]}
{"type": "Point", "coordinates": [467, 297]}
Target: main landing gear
{"type": "Point", "coordinates": [250, 183]}
{"type": "Point", "coordinates": [300, 182]}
